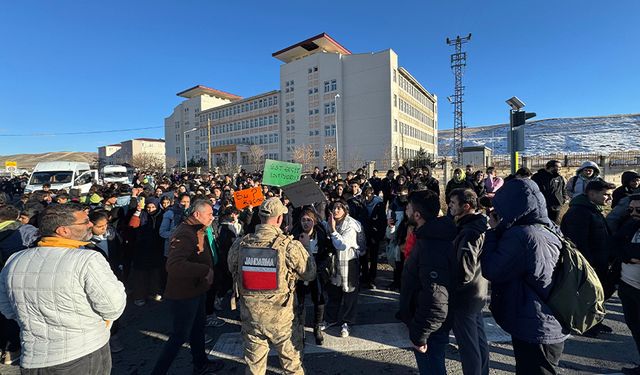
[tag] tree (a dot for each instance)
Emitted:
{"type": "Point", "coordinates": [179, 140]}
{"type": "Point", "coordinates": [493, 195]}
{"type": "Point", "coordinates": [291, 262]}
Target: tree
{"type": "Point", "coordinates": [256, 156]}
{"type": "Point", "coordinates": [329, 156]}
{"type": "Point", "coordinates": [148, 162]}
{"type": "Point", "coordinates": [193, 163]}
{"type": "Point", "coordinates": [226, 167]}
{"type": "Point", "coordinates": [172, 163]}
{"type": "Point", "coordinates": [304, 155]}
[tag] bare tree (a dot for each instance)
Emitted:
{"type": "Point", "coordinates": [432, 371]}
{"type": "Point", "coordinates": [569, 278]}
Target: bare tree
{"type": "Point", "coordinates": [329, 156]}
{"type": "Point", "coordinates": [225, 166]}
{"type": "Point", "coordinates": [148, 162]}
{"type": "Point", "coordinates": [256, 156]}
{"type": "Point", "coordinates": [355, 160]}
{"type": "Point", "coordinates": [304, 155]}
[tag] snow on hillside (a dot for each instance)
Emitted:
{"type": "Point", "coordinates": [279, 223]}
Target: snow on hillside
{"type": "Point", "coordinates": [603, 134]}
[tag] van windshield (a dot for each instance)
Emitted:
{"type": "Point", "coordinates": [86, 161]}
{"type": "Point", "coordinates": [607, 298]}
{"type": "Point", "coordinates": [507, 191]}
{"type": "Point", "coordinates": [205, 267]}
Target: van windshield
{"type": "Point", "coordinates": [52, 177]}
{"type": "Point", "coordinates": [115, 174]}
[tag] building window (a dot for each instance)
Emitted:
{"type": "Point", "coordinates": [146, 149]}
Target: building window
{"type": "Point", "coordinates": [395, 125]}
{"type": "Point", "coordinates": [327, 85]}
{"type": "Point", "coordinates": [334, 85]}
{"type": "Point", "coordinates": [330, 130]}
{"type": "Point", "coordinates": [315, 68]}
{"type": "Point", "coordinates": [309, 70]}
{"type": "Point", "coordinates": [395, 73]}
{"type": "Point", "coordinates": [395, 100]}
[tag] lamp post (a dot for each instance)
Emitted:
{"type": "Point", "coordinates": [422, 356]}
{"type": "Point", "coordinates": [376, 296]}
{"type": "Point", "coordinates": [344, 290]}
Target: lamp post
{"type": "Point", "coordinates": [517, 119]}
{"type": "Point", "coordinates": [335, 100]}
{"type": "Point", "coordinates": [184, 144]}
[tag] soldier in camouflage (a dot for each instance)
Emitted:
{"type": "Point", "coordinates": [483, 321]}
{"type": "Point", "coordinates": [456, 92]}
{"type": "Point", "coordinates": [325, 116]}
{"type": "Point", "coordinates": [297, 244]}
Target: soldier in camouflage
{"type": "Point", "coordinates": [266, 266]}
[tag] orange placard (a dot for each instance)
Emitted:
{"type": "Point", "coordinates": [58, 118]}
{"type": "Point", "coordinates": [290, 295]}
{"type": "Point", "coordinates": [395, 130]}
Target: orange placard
{"type": "Point", "coordinates": [248, 197]}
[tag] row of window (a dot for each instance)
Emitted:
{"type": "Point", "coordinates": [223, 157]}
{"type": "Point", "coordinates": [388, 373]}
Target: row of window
{"type": "Point", "coordinates": [329, 108]}
{"type": "Point", "coordinates": [407, 86]}
{"type": "Point", "coordinates": [240, 108]}
{"type": "Point", "coordinates": [313, 91]}
{"type": "Point", "coordinates": [262, 139]}
{"type": "Point", "coordinates": [330, 85]}
{"type": "Point", "coordinates": [405, 153]}
{"type": "Point", "coordinates": [412, 132]}
{"type": "Point", "coordinates": [246, 124]}
{"type": "Point", "coordinates": [313, 69]}
{"type": "Point", "coordinates": [289, 83]}
{"type": "Point", "coordinates": [415, 112]}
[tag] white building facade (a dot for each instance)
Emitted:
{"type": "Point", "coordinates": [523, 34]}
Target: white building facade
{"type": "Point", "coordinates": [365, 106]}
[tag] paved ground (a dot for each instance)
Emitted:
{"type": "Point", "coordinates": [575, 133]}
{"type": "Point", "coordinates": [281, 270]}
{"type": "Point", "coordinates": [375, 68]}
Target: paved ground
{"type": "Point", "coordinates": [378, 344]}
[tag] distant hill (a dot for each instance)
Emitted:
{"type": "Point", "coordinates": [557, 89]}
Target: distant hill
{"type": "Point", "coordinates": [602, 134]}
{"type": "Point", "coordinates": [29, 161]}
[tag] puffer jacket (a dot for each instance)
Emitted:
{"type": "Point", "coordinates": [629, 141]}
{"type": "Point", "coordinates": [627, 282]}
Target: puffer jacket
{"type": "Point", "coordinates": [518, 258]}
{"type": "Point", "coordinates": [63, 312]}
{"type": "Point", "coordinates": [428, 280]}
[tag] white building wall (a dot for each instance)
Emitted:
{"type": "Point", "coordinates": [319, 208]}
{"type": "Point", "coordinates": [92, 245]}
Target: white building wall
{"type": "Point", "coordinates": [182, 119]}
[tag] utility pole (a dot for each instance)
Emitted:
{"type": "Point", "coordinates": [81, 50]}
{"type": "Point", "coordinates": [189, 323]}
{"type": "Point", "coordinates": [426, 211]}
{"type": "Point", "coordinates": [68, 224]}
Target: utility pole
{"type": "Point", "coordinates": [209, 144]}
{"type": "Point", "coordinates": [458, 62]}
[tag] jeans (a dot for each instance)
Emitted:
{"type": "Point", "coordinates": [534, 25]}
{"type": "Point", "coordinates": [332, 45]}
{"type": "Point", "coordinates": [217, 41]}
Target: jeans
{"type": "Point", "coordinates": [536, 359]}
{"type": "Point", "coordinates": [630, 298]}
{"type": "Point", "coordinates": [432, 362]}
{"type": "Point", "coordinates": [188, 325]}
{"type": "Point", "coordinates": [369, 262]}
{"type": "Point", "coordinates": [96, 363]}
{"type": "Point", "coordinates": [341, 307]}
{"type": "Point", "coordinates": [472, 341]}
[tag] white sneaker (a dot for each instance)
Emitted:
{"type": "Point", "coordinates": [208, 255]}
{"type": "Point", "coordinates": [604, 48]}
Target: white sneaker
{"type": "Point", "coordinates": [344, 332]}
{"type": "Point", "coordinates": [157, 297]}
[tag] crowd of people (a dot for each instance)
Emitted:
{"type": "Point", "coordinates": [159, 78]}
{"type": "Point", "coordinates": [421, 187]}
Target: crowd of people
{"type": "Point", "coordinates": [70, 261]}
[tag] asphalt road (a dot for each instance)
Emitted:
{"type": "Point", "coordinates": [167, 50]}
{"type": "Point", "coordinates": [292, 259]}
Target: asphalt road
{"type": "Point", "coordinates": [377, 345]}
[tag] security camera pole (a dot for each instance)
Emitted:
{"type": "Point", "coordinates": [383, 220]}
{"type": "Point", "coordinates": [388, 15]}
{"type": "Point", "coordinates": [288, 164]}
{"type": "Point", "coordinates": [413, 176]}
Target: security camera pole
{"type": "Point", "coordinates": [517, 119]}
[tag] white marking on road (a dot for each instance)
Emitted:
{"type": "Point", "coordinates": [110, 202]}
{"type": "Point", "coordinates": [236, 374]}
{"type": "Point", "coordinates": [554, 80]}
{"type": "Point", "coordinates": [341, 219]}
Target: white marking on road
{"type": "Point", "coordinates": [365, 337]}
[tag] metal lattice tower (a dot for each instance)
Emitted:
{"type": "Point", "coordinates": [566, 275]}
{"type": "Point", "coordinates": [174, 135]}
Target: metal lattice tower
{"type": "Point", "coordinates": [458, 62]}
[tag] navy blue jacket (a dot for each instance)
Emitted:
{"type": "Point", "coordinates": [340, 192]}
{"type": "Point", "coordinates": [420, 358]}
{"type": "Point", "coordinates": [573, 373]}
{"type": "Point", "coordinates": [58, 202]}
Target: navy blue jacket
{"type": "Point", "coordinates": [518, 259]}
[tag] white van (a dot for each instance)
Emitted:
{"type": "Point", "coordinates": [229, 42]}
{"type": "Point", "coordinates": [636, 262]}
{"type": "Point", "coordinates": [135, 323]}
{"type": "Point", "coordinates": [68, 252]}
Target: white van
{"type": "Point", "coordinates": [62, 175]}
{"type": "Point", "coordinates": [115, 173]}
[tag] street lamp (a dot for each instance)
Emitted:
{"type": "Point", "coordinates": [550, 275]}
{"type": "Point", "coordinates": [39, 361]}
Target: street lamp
{"type": "Point", "coordinates": [517, 119]}
{"type": "Point", "coordinates": [184, 143]}
{"type": "Point", "coordinates": [335, 100]}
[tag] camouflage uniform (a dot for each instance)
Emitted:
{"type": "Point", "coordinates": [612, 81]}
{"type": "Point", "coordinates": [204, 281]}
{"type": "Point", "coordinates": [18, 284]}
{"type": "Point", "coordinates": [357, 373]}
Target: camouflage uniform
{"type": "Point", "coordinates": [268, 317]}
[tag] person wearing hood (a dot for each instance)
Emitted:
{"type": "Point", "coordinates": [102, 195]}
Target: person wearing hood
{"type": "Point", "coordinates": [427, 282]}
{"type": "Point", "coordinates": [458, 181]}
{"type": "Point", "coordinates": [147, 257]}
{"type": "Point", "coordinates": [630, 185]}
{"type": "Point", "coordinates": [492, 183]}
{"type": "Point", "coordinates": [14, 236]}
{"type": "Point", "coordinates": [518, 257]}
{"type": "Point", "coordinates": [552, 186]}
{"type": "Point", "coordinates": [585, 225]}
{"type": "Point", "coordinates": [374, 229]}
{"type": "Point", "coordinates": [588, 171]}
{"type": "Point", "coordinates": [430, 182]}
{"type": "Point", "coordinates": [173, 217]}
{"type": "Point", "coordinates": [471, 288]}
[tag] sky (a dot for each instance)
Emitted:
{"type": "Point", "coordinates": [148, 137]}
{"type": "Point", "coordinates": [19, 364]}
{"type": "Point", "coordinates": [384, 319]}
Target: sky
{"type": "Point", "coordinates": [72, 67]}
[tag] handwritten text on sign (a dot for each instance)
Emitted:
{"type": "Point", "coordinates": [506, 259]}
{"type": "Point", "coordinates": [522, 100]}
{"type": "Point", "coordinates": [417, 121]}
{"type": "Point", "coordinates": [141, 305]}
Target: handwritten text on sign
{"type": "Point", "coordinates": [280, 173]}
{"type": "Point", "coordinates": [248, 197]}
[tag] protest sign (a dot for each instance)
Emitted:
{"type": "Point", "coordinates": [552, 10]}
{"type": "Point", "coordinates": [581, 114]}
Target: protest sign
{"type": "Point", "coordinates": [248, 197]}
{"type": "Point", "coordinates": [304, 192]}
{"type": "Point", "coordinates": [280, 173]}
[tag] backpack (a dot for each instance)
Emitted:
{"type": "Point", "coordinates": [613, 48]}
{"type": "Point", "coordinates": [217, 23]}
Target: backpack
{"type": "Point", "coordinates": [577, 296]}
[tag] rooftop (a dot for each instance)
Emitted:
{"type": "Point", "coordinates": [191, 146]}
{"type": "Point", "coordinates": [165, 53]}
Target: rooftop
{"type": "Point", "coordinates": [148, 140]}
{"type": "Point", "coordinates": [201, 90]}
{"type": "Point", "coordinates": [318, 43]}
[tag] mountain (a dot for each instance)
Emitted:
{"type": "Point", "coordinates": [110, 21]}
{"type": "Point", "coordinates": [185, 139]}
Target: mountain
{"type": "Point", "coordinates": [602, 134]}
{"type": "Point", "coordinates": [28, 161]}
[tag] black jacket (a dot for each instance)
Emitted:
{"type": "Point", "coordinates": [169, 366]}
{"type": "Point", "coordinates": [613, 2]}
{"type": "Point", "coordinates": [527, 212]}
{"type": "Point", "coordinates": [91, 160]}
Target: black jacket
{"type": "Point", "coordinates": [587, 228]}
{"type": "Point", "coordinates": [428, 280]}
{"type": "Point", "coordinates": [623, 240]}
{"type": "Point", "coordinates": [471, 288]}
{"type": "Point", "coordinates": [552, 188]}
